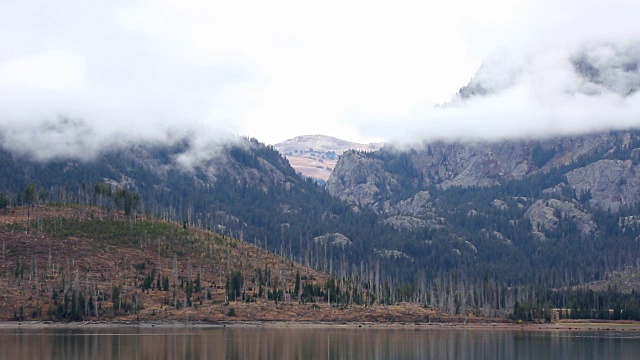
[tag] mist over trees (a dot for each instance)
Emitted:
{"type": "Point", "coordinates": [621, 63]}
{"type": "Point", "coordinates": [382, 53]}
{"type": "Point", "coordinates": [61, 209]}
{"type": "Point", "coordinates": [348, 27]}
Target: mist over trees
{"type": "Point", "coordinates": [485, 260]}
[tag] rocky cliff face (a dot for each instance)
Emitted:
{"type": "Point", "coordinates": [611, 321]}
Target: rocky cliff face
{"type": "Point", "coordinates": [371, 179]}
{"type": "Point", "coordinates": [607, 184]}
{"type": "Point", "coordinates": [545, 215]}
{"type": "Point", "coordinates": [582, 174]}
{"type": "Point", "coordinates": [360, 179]}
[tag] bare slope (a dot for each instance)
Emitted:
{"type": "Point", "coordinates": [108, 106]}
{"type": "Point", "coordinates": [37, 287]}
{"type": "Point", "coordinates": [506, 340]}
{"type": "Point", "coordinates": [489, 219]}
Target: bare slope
{"type": "Point", "coordinates": [316, 155]}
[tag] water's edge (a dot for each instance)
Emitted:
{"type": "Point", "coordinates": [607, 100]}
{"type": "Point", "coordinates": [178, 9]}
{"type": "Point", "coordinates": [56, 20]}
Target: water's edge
{"type": "Point", "coordinates": [493, 326]}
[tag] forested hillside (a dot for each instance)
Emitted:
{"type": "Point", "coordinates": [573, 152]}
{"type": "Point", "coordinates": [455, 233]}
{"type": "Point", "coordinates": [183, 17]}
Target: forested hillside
{"type": "Point", "coordinates": [245, 190]}
{"type": "Point", "coordinates": [83, 263]}
{"type": "Point", "coordinates": [453, 225]}
{"type": "Point", "coordinates": [562, 210]}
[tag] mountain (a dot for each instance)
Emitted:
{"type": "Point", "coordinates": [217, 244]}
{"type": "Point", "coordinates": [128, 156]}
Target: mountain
{"type": "Point", "coordinates": [462, 226]}
{"type": "Point", "coordinates": [565, 202]}
{"type": "Point", "coordinates": [243, 189]}
{"type": "Point", "coordinates": [564, 208]}
{"type": "Point", "coordinates": [239, 188]}
{"type": "Point", "coordinates": [447, 220]}
{"type": "Point", "coordinates": [315, 156]}
{"type": "Point", "coordinates": [590, 69]}
{"type": "Point", "coordinates": [392, 173]}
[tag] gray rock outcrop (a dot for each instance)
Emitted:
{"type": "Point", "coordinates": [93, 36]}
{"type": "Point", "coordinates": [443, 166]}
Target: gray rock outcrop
{"type": "Point", "coordinates": [544, 216]}
{"type": "Point", "coordinates": [499, 204]}
{"type": "Point", "coordinates": [611, 184]}
{"type": "Point", "coordinates": [416, 205]}
{"type": "Point", "coordinates": [372, 180]}
{"type": "Point", "coordinates": [335, 239]}
{"type": "Point", "coordinates": [411, 223]}
{"type": "Point", "coordinates": [359, 179]}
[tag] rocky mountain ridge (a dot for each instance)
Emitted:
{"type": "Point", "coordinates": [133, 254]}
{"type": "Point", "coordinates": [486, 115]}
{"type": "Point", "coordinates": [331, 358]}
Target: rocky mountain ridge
{"type": "Point", "coordinates": [375, 180]}
{"type": "Point", "coordinates": [504, 196]}
{"type": "Point", "coordinates": [514, 210]}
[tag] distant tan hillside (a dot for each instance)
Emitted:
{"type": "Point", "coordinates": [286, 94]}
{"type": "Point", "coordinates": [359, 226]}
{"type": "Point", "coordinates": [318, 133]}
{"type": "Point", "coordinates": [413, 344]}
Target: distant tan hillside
{"type": "Point", "coordinates": [316, 155]}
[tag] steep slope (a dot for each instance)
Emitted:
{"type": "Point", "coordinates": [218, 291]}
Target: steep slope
{"type": "Point", "coordinates": [568, 202]}
{"type": "Point", "coordinates": [316, 155]}
{"type": "Point", "coordinates": [380, 180]}
{"type": "Point", "coordinates": [227, 185]}
{"type": "Point", "coordinates": [86, 263]}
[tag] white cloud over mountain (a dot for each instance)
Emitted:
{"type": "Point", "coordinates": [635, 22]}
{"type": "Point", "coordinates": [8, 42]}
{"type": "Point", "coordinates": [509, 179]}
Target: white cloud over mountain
{"type": "Point", "coordinates": [77, 76]}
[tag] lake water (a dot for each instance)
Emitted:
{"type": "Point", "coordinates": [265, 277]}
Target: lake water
{"type": "Point", "coordinates": [312, 343]}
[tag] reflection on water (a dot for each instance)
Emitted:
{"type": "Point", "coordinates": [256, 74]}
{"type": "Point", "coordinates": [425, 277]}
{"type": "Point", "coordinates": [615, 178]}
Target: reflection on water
{"type": "Point", "coordinates": [312, 343]}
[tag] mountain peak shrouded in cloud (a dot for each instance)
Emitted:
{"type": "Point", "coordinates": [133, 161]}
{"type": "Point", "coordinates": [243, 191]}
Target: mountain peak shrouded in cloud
{"type": "Point", "coordinates": [78, 77]}
{"type": "Point", "coordinates": [76, 139]}
{"type": "Point", "coordinates": [542, 92]}
{"type": "Point", "coordinates": [369, 71]}
{"type": "Point", "coordinates": [590, 69]}
{"type": "Point", "coordinates": [609, 67]}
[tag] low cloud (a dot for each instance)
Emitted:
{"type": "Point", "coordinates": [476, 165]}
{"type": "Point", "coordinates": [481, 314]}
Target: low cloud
{"type": "Point", "coordinates": [78, 78]}
{"type": "Point", "coordinates": [536, 77]}
{"type": "Point", "coordinates": [67, 138]}
{"type": "Point", "coordinates": [592, 86]}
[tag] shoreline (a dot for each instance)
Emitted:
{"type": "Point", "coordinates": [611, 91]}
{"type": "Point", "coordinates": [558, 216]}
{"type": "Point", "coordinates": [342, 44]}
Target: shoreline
{"type": "Point", "coordinates": [478, 326]}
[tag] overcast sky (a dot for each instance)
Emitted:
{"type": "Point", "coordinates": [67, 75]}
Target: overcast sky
{"type": "Point", "coordinates": [359, 70]}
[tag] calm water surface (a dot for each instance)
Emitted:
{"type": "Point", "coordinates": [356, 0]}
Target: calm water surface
{"type": "Point", "coordinates": [313, 343]}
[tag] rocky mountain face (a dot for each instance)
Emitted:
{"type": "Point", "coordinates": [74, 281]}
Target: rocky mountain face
{"type": "Point", "coordinates": [375, 180]}
{"type": "Point", "coordinates": [546, 215]}
{"type": "Point", "coordinates": [548, 189]}
{"type": "Point", "coordinates": [609, 184]}
{"type": "Point", "coordinates": [315, 156]}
